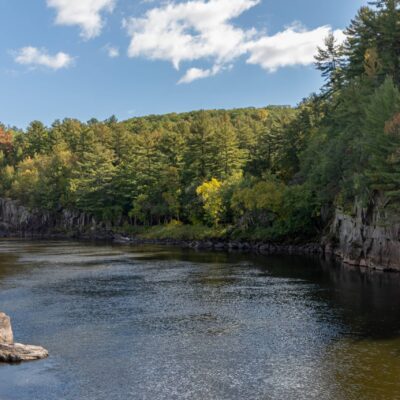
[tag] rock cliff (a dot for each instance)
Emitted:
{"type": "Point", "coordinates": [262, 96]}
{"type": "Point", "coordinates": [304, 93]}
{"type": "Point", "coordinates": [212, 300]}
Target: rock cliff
{"type": "Point", "coordinates": [370, 237]}
{"type": "Point", "coordinates": [17, 220]}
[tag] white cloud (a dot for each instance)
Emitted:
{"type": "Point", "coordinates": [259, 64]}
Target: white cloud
{"type": "Point", "coordinates": [35, 57]}
{"type": "Point", "coordinates": [112, 51]}
{"type": "Point", "coordinates": [193, 74]}
{"type": "Point", "coordinates": [87, 14]}
{"type": "Point", "coordinates": [291, 47]}
{"type": "Point", "coordinates": [190, 31]}
{"type": "Point", "coordinates": [203, 30]}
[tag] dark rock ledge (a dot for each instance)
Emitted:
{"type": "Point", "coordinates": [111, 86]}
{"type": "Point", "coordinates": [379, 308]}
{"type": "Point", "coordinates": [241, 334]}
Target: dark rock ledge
{"type": "Point", "coordinates": [11, 352]}
{"type": "Point", "coordinates": [264, 248]}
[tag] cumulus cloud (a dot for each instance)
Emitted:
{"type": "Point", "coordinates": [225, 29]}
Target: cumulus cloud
{"type": "Point", "coordinates": [190, 31]}
{"type": "Point", "coordinates": [204, 30]}
{"type": "Point", "coordinates": [193, 74]}
{"type": "Point", "coordinates": [87, 14]}
{"type": "Point", "coordinates": [35, 57]}
{"type": "Point", "coordinates": [293, 46]}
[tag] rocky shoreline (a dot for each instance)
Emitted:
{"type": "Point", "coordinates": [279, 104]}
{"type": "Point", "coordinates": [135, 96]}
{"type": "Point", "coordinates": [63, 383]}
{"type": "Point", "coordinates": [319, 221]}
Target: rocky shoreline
{"type": "Point", "coordinates": [363, 238]}
{"type": "Point", "coordinates": [227, 245]}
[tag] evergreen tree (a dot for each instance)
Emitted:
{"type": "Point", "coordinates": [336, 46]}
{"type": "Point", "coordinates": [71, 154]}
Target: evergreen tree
{"type": "Point", "coordinates": [37, 139]}
{"type": "Point", "coordinates": [330, 62]}
{"type": "Point", "coordinates": [92, 183]}
{"type": "Point", "coordinates": [199, 156]}
{"type": "Point", "coordinates": [225, 145]}
{"type": "Point", "coordinates": [387, 26]}
{"type": "Point", "coordinates": [382, 140]}
{"type": "Point", "coordinates": [361, 36]}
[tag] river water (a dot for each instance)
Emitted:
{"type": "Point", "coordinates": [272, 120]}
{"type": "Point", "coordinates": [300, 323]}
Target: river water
{"type": "Point", "coordinates": [160, 323]}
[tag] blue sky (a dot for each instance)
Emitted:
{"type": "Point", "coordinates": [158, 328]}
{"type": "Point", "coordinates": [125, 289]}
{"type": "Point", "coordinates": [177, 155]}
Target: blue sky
{"type": "Point", "coordinates": [95, 58]}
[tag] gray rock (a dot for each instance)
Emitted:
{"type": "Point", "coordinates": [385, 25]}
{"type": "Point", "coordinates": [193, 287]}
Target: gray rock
{"type": "Point", "coordinates": [17, 220]}
{"type": "Point", "coordinates": [264, 248]}
{"type": "Point", "coordinates": [6, 333]}
{"type": "Point", "coordinates": [120, 239]}
{"type": "Point", "coordinates": [370, 237]}
{"type": "Point", "coordinates": [11, 352]}
{"type": "Point", "coordinates": [15, 353]}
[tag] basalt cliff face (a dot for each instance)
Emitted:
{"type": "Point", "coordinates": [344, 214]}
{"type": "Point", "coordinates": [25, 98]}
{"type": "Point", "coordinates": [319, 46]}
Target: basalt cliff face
{"type": "Point", "coordinates": [370, 237]}
{"type": "Point", "coordinates": [19, 221]}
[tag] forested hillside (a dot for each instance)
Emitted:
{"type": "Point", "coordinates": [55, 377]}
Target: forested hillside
{"type": "Point", "coordinates": [269, 173]}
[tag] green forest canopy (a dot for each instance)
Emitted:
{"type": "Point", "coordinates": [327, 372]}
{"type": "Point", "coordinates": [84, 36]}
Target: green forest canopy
{"type": "Point", "coordinates": [268, 173]}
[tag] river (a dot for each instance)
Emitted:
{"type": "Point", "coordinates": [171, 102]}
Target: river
{"type": "Point", "coordinates": [165, 323]}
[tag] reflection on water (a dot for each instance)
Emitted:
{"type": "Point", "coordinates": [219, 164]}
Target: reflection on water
{"type": "Point", "coordinates": [365, 369]}
{"type": "Point", "coordinates": [160, 323]}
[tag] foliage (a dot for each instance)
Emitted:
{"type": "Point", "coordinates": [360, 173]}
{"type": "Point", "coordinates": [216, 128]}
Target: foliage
{"type": "Point", "coordinates": [178, 231]}
{"type": "Point", "coordinates": [210, 194]}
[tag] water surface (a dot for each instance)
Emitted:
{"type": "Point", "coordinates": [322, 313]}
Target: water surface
{"type": "Point", "coordinates": [160, 323]}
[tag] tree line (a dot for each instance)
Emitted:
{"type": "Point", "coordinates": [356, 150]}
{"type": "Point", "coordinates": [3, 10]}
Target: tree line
{"type": "Point", "coordinates": [267, 173]}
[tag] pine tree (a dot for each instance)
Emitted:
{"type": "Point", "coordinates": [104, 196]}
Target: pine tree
{"type": "Point", "coordinates": [382, 139]}
{"type": "Point", "coordinates": [387, 26]}
{"type": "Point", "coordinates": [330, 62]}
{"type": "Point", "coordinates": [361, 36]}
{"type": "Point", "coordinates": [199, 152]}
{"type": "Point", "coordinates": [228, 157]}
{"type": "Point", "coordinates": [92, 183]}
{"type": "Point", "coordinates": [37, 139]}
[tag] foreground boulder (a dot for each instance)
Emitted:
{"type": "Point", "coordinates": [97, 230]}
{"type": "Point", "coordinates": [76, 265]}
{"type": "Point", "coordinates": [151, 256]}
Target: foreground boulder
{"type": "Point", "coordinates": [11, 352]}
{"type": "Point", "coordinates": [6, 333]}
{"type": "Point", "coordinates": [14, 353]}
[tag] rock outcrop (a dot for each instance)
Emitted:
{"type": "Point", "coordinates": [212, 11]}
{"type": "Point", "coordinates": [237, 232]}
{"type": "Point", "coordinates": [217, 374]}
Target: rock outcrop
{"type": "Point", "coordinates": [11, 352]}
{"type": "Point", "coordinates": [18, 220]}
{"type": "Point", "coordinates": [370, 237]}
{"type": "Point", "coordinates": [16, 353]}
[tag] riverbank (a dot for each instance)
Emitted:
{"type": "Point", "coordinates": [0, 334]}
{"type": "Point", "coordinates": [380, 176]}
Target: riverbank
{"type": "Point", "coordinates": [228, 245]}
{"type": "Point", "coordinates": [215, 238]}
{"type": "Point", "coordinates": [260, 247]}
{"type": "Point", "coordinates": [17, 221]}
{"type": "Point", "coordinates": [367, 238]}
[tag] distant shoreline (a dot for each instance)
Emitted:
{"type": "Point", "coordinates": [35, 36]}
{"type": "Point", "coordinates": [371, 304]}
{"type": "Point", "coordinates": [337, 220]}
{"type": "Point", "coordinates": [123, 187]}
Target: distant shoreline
{"type": "Point", "coordinates": [260, 247]}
